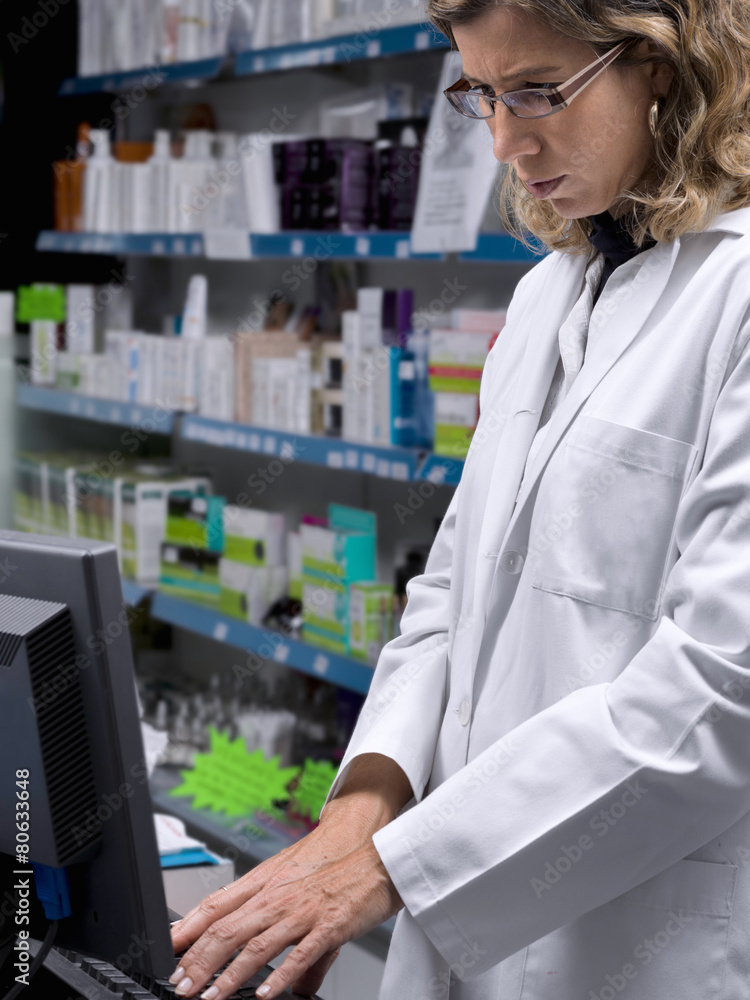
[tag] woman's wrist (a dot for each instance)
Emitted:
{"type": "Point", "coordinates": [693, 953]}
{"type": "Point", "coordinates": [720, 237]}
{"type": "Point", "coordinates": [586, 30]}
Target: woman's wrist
{"type": "Point", "coordinates": [372, 794]}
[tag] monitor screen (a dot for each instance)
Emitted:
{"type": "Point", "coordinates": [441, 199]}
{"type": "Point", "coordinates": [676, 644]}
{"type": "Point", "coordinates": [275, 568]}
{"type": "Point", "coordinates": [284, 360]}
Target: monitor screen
{"type": "Point", "coordinates": [73, 781]}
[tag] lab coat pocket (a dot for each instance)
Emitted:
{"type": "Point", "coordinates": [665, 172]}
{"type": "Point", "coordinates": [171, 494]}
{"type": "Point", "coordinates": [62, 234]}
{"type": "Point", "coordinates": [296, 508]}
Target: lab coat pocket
{"type": "Point", "coordinates": [665, 938]}
{"type": "Point", "coordinates": [604, 518]}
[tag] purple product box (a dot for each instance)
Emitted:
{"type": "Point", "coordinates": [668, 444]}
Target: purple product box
{"type": "Point", "coordinates": [331, 206]}
{"type": "Point", "coordinates": [397, 185]}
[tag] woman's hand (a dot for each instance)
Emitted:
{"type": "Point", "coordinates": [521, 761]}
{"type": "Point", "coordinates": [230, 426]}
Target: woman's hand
{"type": "Point", "coordinates": [317, 894]}
{"type": "Point", "coordinates": [308, 898]}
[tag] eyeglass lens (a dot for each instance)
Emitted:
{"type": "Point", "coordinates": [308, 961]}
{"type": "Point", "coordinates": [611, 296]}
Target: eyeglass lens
{"type": "Point", "coordinates": [524, 103]}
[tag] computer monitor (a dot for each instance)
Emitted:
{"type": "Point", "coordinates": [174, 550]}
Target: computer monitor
{"type": "Point", "coordinates": [69, 727]}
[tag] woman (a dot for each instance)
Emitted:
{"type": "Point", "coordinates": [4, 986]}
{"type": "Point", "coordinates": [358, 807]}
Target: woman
{"type": "Point", "coordinates": [550, 778]}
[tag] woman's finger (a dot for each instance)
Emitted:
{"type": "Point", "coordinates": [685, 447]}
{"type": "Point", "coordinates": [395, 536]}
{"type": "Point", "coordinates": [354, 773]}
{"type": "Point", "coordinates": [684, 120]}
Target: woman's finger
{"type": "Point", "coordinates": [219, 904]}
{"type": "Point", "coordinates": [312, 979]}
{"type": "Point", "coordinates": [298, 963]}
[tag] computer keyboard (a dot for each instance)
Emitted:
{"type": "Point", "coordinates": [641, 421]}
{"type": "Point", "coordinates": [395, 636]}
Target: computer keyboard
{"type": "Point", "coordinates": [98, 980]}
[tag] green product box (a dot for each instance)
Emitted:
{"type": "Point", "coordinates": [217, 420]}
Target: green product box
{"type": "Point", "coordinates": [190, 573]}
{"type": "Point", "coordinates": [294, 562]}
{"type": "Point", "coordinates": [140, 516]}
{"type": "Point", "coordinates": [323, 638]}
{"type": "Point", "coordinates": [370, 619]}
{"type": "Point", "coordinates": [195, 519]}
{"type": "Point", "coordinates": [253, 537]}
{"type": "Point", "coordinates": [325, 606]}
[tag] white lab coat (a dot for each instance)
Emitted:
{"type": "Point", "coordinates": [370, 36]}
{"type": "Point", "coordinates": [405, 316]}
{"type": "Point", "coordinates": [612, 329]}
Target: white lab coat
{"type": "Point", "coordinates": [570, 694]}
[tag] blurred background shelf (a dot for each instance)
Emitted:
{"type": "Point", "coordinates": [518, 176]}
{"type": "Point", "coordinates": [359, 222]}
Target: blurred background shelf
{"type": "Point", "coordinates": [491, 247]}
{"type": "Point", "coordinates": [392, 463]}
{"type": "Point", "coordinates": [367, 44]}
{"type": "Point", "coordinates": [403, 39]}
{"type": "Point", "coordinates": [148, 77]}
{"type": "Point", "coordinates": [313, 660]}
{"type": "Point", "coordinates": [403, 464]}
{"type": "Point", "coordinates": [107, 411]}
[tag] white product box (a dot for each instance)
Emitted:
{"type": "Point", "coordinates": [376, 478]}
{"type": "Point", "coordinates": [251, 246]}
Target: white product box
{"type": "Point", "coordinates": [217, 379]}
{"type": "Point", "coordinates": [43, 351]}
{"type": "Point", "coordinates": [370, 309]}
{"type": "Point", "coordinates": [80, 328]}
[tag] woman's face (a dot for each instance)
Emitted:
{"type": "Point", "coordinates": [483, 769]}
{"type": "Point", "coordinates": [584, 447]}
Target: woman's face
{"type": "Point", "coordinates": [601, 144]}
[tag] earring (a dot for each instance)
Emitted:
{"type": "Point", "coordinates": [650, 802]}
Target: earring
{"type": "Point", "coordinates": [653, 117]}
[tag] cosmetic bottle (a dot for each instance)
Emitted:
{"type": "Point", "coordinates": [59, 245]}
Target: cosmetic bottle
{"type": "Point", "coordinates": [161, 182]}
{"type": "Point", "coordinates": [100, 186]}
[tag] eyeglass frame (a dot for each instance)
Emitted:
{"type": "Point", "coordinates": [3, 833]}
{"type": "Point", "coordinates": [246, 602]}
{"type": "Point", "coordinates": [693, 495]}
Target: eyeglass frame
{"type": "Point", "coordinates": [555, 95]}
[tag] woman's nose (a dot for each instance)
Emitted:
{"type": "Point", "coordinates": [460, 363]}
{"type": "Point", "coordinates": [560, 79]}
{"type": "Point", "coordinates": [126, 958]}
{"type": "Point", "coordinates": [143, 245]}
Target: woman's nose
{"type": "Point", "coordinates": [512, 137]}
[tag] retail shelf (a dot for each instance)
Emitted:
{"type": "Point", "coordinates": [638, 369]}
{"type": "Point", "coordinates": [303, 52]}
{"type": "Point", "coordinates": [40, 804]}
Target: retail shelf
{"type": "Point", "coordinates": [491, 247]}
{"type": "Point", "coordinates": [441, 469]}
{"type": "Point", "coordinates": [154, 419]}
{"type": "Point", "coordinates": [390, 463]}
{"type": "Point", "coordinates": [318, 245]}
{"type": "Point", "coordinates": [149, 77]}
{"type": "Point", "coordinates": [133, 593]}
{"type": "Point", "coordinates": [501, 248]}
{"type": "Point", "coordinates": [302, 656]}
{"type": "Point", "coordinates": [403, 464]}
{"type": "Point", "coordinates": [137, 244]}
{"type": "Point", "coordinates": [371, 43]}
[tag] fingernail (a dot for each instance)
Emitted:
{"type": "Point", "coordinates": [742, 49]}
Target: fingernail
{"type": "Point", "coordinates": [184, 986]}
{"type": "Point", "coordinates": [211, 992]}
{"type": "Point", "coordinates": [263, 991]}
{"type": "Point", "coordinates": [177, 975]}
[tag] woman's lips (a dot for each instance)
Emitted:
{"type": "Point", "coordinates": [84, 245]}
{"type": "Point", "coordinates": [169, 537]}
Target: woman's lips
{"type": "Point", "coordinates": [545, 190]}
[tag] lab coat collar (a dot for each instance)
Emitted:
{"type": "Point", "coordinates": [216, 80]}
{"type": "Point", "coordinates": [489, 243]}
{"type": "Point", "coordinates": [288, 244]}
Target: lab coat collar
{"type": "Point", "coordinates": [736, 221]}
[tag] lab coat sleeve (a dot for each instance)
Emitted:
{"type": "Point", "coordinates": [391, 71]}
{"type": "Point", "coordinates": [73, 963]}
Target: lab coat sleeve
{"type": "Point", "coordinates": [668, 740]}
{"type": "Point", "coordinates": [404, 708]}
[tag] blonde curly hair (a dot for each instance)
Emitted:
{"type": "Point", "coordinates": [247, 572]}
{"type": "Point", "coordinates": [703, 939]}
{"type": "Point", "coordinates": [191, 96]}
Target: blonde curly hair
{"type": "Point", "coordinates": [702, 151]}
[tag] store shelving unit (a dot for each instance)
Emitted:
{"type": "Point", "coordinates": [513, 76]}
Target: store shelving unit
{"type": "Point", "coordinates": [302, 656]}
{"type": "Point", "coordinates": [105, 411]}
{"type": "Point", "coordinates": [491, 247]}
{"type": "Point", "coordinates": [404, 464]}
{"type": "Point", "coordinates": [346, 48]}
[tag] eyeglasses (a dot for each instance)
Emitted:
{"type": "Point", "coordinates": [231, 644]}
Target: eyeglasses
{"type": "Point", "coordinates": [474, 101]}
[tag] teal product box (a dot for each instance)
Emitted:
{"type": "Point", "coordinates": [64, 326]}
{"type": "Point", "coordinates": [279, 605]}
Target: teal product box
{"type": "Point", "coordinates": [195, 519]}
{"type": "Point", "coordinates": [344, 550]}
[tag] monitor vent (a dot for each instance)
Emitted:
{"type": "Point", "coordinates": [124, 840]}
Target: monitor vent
{"type": "Point", "coordinates": [61, 723]}
{"type": "Point", "coordinates": [8, 648]}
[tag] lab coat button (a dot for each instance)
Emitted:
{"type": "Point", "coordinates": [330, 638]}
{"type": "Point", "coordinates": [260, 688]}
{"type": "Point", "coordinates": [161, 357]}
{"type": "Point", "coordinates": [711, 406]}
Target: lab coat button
{"type": "Point", "coordinates": [464, 712]}
{"type": "Point", "coordinates": [511, 562]}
